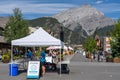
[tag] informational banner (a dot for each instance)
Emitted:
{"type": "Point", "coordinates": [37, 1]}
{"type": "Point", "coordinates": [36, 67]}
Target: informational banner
{"type": "Point", "coordinates": [33, 69]}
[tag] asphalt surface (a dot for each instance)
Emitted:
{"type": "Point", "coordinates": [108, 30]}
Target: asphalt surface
{"type": "Point", "coordinates": [78, 71]}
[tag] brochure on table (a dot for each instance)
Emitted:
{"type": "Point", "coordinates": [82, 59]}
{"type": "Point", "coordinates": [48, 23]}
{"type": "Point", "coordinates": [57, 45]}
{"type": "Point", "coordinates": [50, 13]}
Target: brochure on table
{"type": "Point", "coordinates": [33, 69]}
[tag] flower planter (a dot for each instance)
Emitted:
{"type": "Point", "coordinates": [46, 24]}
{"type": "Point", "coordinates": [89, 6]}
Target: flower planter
{"type": "Point", "coordinates": [116, 60]}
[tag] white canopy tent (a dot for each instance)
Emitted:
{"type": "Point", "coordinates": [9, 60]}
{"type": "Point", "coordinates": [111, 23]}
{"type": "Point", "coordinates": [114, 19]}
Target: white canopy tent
{"type": "Point", "coordinates": [39, 38]}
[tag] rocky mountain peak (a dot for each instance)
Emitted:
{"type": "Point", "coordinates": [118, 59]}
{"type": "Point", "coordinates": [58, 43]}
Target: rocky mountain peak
{"type": "Point", "coordinates": [77, 13]}
{"type": "Point", "coordinates": [85, 16]}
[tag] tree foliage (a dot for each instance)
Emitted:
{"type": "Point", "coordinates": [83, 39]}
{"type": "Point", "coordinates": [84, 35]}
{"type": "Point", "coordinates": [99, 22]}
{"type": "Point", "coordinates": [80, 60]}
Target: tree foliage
{"type": "Point", "coordinates": [90, 44]}
{"type": "Point", "coordinates": [115, 41]}
{"type": "Point", "coordinates": [16, 27]}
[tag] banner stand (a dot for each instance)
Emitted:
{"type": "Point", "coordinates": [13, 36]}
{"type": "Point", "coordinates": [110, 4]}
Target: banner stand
{"type": "Point", "coordinates": [33, 71]}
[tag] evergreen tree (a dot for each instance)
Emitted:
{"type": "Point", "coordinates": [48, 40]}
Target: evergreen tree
{"type": "Point", "coordinates": [115, 41]}
{"type": "Point", "coordinates": [90, 44]}
{"type": "Point", "coordinates": [16, 27]}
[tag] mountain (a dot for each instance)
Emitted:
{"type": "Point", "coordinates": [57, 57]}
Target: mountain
{"type": "Point", "coordinates": [85, 17]}
{"type": "Point", "coordinates": [78, 23]}
{"type": "Point", "coordinates": [3, 21]}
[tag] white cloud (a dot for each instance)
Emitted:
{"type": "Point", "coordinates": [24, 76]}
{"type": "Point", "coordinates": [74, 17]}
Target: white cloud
{"type": "Point", "coordinates": [7, 8]}
{"type": "Point", "coordinates": [99, 2]}
{"type": "Point", "coordinates": [108, 8]}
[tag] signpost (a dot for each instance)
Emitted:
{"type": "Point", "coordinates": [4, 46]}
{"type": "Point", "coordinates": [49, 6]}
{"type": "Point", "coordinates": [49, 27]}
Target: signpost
{"type": "Point", "coordinates": [33, 70]}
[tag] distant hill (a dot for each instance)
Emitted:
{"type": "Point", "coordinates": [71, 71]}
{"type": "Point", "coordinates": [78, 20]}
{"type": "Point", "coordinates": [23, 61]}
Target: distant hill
{"type": "Point", "coordinates": [3, 21]}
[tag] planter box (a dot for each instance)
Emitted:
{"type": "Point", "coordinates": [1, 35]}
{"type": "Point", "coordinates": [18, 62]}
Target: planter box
{"type": "Point", "coordinates": [116, 60]}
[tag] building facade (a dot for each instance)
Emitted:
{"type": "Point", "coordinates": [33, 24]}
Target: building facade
{"type": "Point", "coordinates": [107, 45]}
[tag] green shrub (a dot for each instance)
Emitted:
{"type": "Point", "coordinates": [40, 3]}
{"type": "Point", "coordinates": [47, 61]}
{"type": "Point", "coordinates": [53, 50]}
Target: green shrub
{"type": "Point", "coordinates": [5, 56]}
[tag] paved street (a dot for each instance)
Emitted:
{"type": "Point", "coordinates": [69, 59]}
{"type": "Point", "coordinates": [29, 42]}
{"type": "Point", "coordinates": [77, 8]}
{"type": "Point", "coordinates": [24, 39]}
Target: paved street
{"type": "Point", "coordinates": [78, 71]}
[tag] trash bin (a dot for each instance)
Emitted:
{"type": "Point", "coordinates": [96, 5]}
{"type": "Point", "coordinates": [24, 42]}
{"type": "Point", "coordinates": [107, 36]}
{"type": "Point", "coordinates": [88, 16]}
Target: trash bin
{"type": "Point", "coordinates": [13, 69]}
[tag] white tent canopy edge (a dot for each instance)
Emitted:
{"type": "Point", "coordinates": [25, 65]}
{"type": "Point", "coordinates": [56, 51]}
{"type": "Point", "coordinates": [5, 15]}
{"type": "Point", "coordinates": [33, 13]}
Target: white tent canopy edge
{"type": "Point", "coordinates": [39, 38]}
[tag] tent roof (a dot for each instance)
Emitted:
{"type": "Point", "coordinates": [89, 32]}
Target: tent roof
{"type": "Point", "coordinates": [39, 38]}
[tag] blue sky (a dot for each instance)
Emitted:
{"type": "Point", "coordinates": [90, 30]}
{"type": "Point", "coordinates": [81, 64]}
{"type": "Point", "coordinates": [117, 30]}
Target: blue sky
{"type": "Point", "coordinates": [39, 8]}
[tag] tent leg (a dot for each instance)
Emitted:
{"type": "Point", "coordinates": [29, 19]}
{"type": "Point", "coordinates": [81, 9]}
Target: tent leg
{"type": "Point", "coordinates": [61, 54]}
{"type": "Point", "coordinates": [11, 53]}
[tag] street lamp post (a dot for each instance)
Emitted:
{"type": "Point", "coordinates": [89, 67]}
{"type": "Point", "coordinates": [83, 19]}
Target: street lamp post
{"type": "Point", "coordinates": [62, 44]}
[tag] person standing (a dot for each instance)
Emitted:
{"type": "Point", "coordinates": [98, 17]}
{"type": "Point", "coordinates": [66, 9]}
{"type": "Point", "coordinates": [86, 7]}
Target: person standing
{"type": "Point", "coordinates": [30, 54]}
{"type": "Point", "coordinates": [42, 61]}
